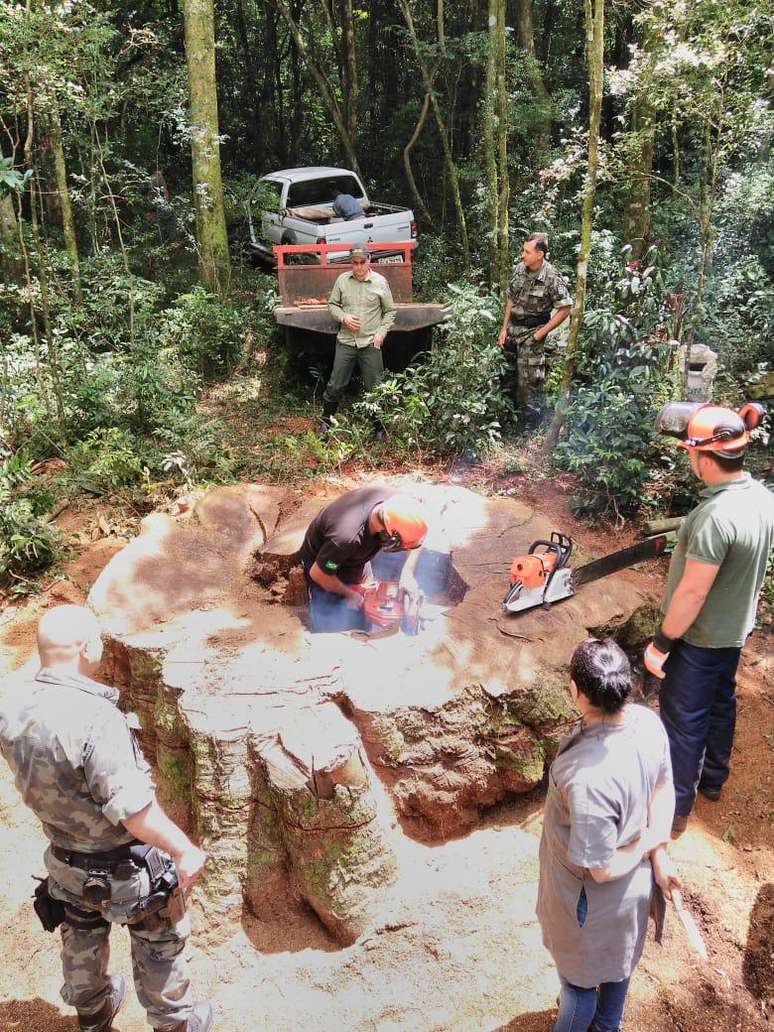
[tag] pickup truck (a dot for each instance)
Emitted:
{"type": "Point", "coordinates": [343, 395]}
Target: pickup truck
{"type": "Point", "coordinates": [295, 206]}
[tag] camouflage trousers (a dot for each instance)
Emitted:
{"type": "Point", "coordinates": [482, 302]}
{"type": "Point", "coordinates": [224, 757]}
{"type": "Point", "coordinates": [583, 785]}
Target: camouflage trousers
{"type": "Point", "coordinates": [159, 966]}
{"type": "Point", "coordinates": [527, 370]}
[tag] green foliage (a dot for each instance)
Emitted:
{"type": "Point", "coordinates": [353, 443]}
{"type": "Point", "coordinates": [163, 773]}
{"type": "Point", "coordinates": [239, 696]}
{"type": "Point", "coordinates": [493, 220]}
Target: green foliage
{"type": "Point", "coordinates": [105, 459]}
{"type": "Point", "coordinates": [206, 331]}
{"type": "Point", "coordinates": [450, 399]}
{"type": "Point", "coordinates": [609, 438]}
{"type": "Point", "coordinates": [28, 545]}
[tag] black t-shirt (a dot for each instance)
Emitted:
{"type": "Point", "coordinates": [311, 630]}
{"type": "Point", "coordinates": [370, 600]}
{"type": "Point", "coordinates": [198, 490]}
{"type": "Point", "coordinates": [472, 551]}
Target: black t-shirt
{"type": "Point", "coordinates": [338, 538]}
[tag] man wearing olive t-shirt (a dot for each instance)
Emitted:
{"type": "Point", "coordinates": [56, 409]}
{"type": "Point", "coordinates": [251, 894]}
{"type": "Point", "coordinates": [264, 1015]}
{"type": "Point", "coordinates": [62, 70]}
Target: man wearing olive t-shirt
{"type": "Point", "coordinates": [715, 576]}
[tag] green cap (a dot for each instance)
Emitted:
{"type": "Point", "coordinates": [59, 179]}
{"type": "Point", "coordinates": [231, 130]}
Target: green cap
{"type": "Point", "coordinates": [360, 251]}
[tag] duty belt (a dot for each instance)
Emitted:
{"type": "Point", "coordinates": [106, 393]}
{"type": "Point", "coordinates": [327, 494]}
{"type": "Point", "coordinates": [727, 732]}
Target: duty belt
{"type": "Point", "coordinates": [530, 321]}
{"type": "Point", "coordinates": [135, 851]}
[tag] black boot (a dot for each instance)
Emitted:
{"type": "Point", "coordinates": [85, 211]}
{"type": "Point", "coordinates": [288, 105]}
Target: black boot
{"type": "Point", "coordinates": [199, 1020]}
{"type": "Point", "coordinates": [102, 1020]}
{"type": "Point", "coordinates": [328, 412]}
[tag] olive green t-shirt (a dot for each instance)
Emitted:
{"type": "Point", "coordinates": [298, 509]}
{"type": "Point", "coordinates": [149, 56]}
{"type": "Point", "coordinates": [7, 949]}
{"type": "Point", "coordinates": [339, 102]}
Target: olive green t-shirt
{"type": "Point", "coordinates": [733, 528]}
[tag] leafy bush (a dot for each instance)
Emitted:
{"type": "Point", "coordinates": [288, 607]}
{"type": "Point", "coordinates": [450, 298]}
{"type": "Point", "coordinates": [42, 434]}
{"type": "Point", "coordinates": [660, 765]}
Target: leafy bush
{"type": "Point", "coordinates": [206, 331]}
{"type": "Point", "coordinates": [628, 373]}
{"type": "Point", "coordinates": [27, 544]}
{"type": "Point", "coordinates": [450, 399]}
{"type": "Point", "coordinates": [105, 459]}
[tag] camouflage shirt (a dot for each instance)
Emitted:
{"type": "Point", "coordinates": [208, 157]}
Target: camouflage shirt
{"type": "Point", "coordinates": [537, 293]}
{"type": "Point", "coordinates": [75, 760]}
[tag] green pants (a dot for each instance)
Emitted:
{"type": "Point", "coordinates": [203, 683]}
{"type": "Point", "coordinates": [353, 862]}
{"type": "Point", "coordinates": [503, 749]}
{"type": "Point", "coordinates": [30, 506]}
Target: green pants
{"type": "Point", "coordinates": [369, 359]}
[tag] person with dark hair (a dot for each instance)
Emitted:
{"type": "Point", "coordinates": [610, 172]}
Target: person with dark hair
{"type": "Point", "coordinates": [536, 289]}
{"type": "Point", "coordinates": [606, 827]}
{"type": "Point", "coordinates": [361, 303]}
{"type": "Point", "coordinates": [715, 577]}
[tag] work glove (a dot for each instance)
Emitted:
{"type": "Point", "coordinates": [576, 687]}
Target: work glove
{"type": "Point", "coordinates": [657, 653]}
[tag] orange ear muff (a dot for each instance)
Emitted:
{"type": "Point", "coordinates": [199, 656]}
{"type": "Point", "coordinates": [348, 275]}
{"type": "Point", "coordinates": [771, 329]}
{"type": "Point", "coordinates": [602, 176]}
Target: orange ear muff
{"type": "Point", "coordinates": [752, 414]}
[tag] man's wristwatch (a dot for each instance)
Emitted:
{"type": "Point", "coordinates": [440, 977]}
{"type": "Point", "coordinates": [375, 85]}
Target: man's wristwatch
{"type": "Point", "coordinates": [662, 642]}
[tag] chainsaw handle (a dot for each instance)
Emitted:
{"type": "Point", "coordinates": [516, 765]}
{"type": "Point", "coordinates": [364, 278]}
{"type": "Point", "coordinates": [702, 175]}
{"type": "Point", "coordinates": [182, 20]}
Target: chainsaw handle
{"type": "Point", "coordinates": [559, 543]}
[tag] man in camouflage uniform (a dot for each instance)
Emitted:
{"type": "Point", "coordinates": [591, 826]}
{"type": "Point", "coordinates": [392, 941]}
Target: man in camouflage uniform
{"type": "Point", "coordinates": [536, 289]}
{"type": "Point", "coordinates": [79, 768]}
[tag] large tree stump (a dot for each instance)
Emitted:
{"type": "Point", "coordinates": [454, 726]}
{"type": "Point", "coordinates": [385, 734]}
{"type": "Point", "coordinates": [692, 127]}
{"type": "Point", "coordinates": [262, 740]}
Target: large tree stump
{"type": "Point", "coordinates": [268, 738]}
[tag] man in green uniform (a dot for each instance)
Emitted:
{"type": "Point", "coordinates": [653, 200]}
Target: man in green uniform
{"type": "Point", "coordinates": [715, 577]}
{"type": "Point", "coordinates": [536, 289]}
{"type": "Point", "coordinates": [361, 302]}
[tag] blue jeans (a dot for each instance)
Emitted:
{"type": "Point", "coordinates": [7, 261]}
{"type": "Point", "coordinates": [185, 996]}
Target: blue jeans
{"type": "Point", "coordinates": [698, 710]}
{"type": "Point", "coordinates": [329, 612]}
{"type": "Point", "coordinates": [602, 1005]}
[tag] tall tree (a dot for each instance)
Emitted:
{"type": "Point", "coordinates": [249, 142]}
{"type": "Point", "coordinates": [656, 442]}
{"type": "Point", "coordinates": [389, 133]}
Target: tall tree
{"type": "Point", "coordinates": [60, 170]}
{"type": "Point", "coordinates": [212, 240]}
{"type": "Point", "coordinates": [319, 74]}
{"type": "Point", "coordinates": [594, 12]}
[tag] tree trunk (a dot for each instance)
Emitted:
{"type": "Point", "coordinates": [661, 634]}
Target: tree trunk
{"type": "Point", "coordinates": [10, 263]}
{"type": "Point", "coordinates": [419, 204]}
{"type": "Point", "coordinates": [451, 168]}
{"type": "Point", "coordinates": [490, 145]}
{"type": "Point", "coordinates": [214, 261]}
{"type": "Point", "coordinates": [350, 83]}
{"type": "Point", "coordinates": [526, 35]}
{"type": "Point", "coordinates": [502, 149]}
{"type": "Point", "coordinates": [323, 83]}
{"type": "Point", "coordinates": [637, 210]}
{"type": "Point", "coordinates": [595, 49]}
{"type": "Point", "coordinates": [68, 225]}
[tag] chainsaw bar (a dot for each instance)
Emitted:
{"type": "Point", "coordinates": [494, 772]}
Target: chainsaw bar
{"type": "Point", "coordinates": [651, 548]}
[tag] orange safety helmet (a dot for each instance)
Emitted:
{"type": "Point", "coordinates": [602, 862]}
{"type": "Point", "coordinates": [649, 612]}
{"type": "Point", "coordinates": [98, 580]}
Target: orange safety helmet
{"type": "Point", "coordinates": [712, 428]}
{"type": "Point", "coordinates": [404, 521]}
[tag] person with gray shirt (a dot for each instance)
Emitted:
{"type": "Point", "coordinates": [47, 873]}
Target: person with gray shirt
{"type": "Point", "coordinates": [114, 857]}
{"type": "Point", "coordinates": [606, 825]}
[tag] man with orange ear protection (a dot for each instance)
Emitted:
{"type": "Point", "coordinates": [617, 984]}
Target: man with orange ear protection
{"type": "Point", "coordinates": [715, 577]}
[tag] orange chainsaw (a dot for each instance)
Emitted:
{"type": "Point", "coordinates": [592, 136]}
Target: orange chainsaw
{"type": "Point", "coordinates": [387, 606]}
{"type": "Point", "coordinates": [544, 574]}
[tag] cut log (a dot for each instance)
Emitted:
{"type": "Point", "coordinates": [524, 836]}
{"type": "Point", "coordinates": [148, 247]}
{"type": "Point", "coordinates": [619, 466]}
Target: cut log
{"type": "Point", "coordinates": [663, 526]}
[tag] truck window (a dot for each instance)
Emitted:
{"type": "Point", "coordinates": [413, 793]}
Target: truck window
{"type": "Point", "coordinates": [267, 195]}
{"type": "Point", "coordinates": [322, 191]}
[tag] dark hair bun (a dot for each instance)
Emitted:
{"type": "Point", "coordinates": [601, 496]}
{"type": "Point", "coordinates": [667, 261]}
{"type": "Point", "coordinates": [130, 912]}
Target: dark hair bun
{"type": "Point", "coordinates": [601, 670]}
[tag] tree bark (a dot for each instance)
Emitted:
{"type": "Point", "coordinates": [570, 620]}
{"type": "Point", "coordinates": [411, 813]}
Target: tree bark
{"type": "Point", "coordinates": [350, 84]}
{"type": "Point", "coordinates": [637, 210]}
{"type": "Point", "coordinates": [212, 240]}
{"type": "Point", "coordinates": [594, 11]}
{"type": "Point", "coordinates": [68, 225]}
{"type": "Point", "coordinates": [502, 149]}
{"type": "Point", "coordinates": [490, 145]}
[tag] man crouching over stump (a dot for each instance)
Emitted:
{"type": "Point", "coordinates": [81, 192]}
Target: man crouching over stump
{"type": "Point", "coordinates": [114, 857]}
{"type": "Point", "coordinates": [343, 538]}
